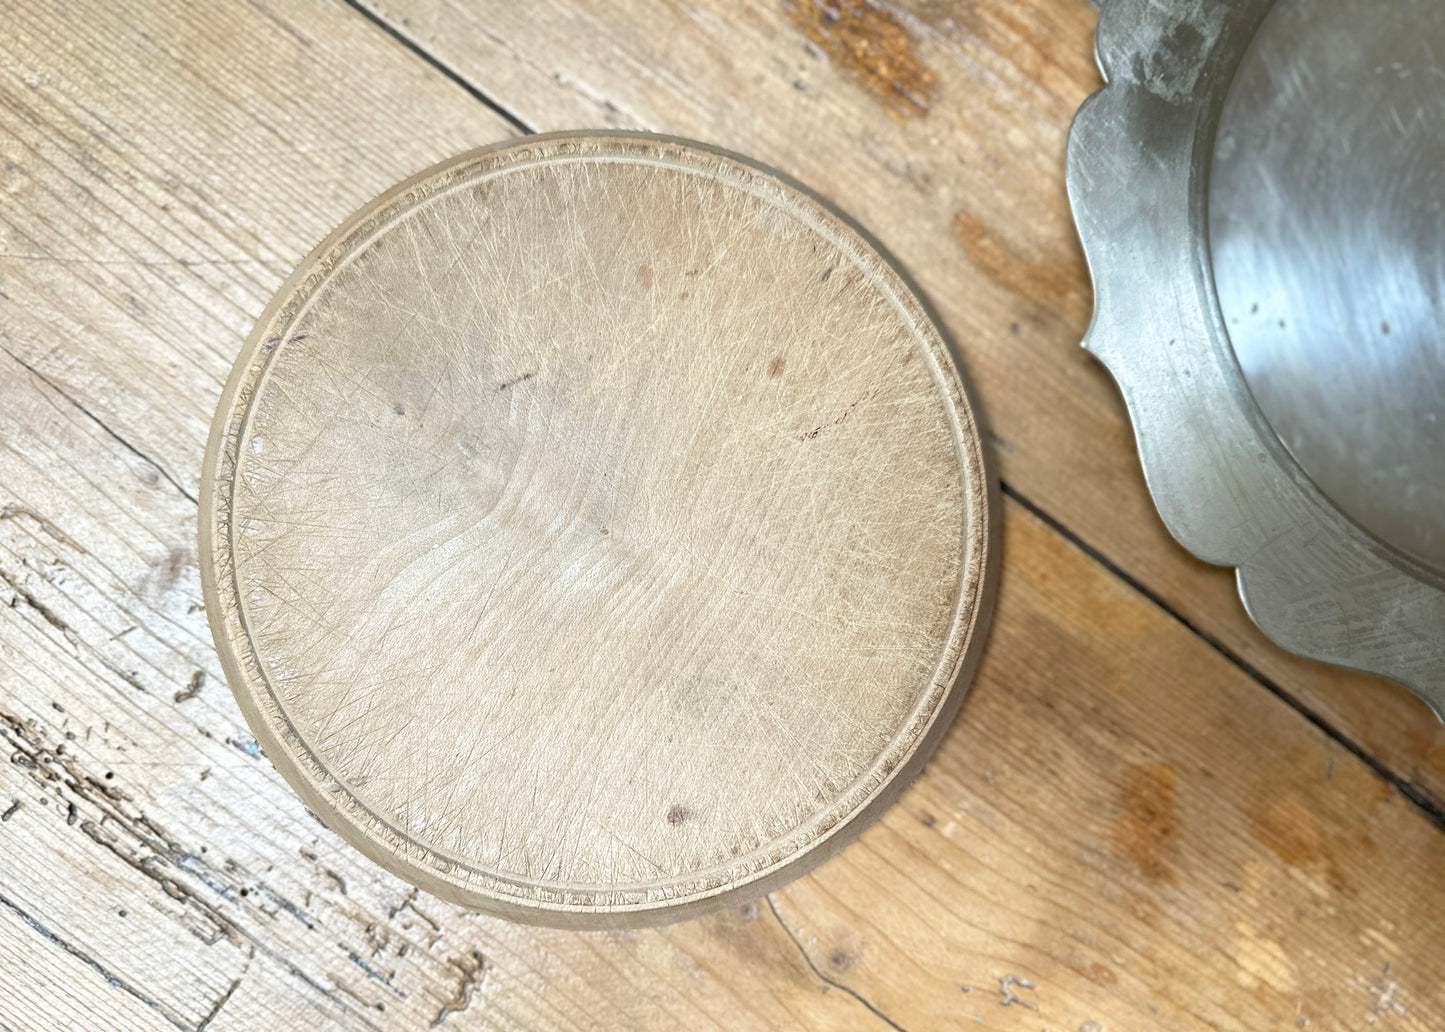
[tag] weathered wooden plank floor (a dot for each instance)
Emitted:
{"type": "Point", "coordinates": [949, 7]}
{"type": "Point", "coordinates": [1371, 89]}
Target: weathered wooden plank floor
{"type": "Point", "coordinates": [1146, 816]}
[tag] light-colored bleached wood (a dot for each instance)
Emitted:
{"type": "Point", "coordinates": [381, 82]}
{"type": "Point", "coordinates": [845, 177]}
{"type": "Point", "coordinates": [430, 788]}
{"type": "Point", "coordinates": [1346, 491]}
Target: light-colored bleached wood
{"type": "Point", "coordinates": [1120, 815]}
{"type": "Point", "coordinates": [595, 530]}
{"type": "Point", "coordinates": [940, 125]}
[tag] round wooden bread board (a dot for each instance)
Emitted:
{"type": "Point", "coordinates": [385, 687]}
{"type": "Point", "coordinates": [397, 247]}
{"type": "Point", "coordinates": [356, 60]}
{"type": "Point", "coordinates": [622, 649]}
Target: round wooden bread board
{"type": "Point", "coordinates": [595, 530]}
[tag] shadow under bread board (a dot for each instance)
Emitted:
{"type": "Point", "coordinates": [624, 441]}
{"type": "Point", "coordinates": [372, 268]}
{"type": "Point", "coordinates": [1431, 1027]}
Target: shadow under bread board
{"type": "Point", "coordinates": [940, 125]}
{"type": "Point", "coordinates": [1121, 816]}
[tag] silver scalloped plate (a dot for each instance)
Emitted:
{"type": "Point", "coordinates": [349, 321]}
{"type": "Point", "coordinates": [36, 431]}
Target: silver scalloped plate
{"type": "Point", "coordinates": [1227, 485]}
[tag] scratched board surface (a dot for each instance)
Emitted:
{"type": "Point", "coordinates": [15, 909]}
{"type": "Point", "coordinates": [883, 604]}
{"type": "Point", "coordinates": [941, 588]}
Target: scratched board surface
{"type": "Point", "coordinates": [1144, 817]}
{"type": "Point", "coordinates": [600, 533]}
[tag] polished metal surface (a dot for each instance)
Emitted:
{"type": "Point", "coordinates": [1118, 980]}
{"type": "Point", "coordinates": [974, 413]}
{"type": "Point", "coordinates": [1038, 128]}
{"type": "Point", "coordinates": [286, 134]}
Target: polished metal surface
{"type": "Point", "coordinates": [1326, 230]}
{"type": "Point", "coordinates": [1244, 155]}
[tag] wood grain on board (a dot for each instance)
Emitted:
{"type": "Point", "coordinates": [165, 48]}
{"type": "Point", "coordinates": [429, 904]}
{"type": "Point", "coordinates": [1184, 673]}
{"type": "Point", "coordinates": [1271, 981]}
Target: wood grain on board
{"type": "Point", "coordinates": [1122, 828]}
{"type": "Point", "coordinates": [597, 563]}
{"type": "Point", "coordinates": [941, 126]}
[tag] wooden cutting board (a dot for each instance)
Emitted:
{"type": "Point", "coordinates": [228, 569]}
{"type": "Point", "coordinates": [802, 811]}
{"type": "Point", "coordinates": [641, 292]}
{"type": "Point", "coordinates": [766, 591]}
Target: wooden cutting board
{"type": "Point", "coordinates": [595, 530]}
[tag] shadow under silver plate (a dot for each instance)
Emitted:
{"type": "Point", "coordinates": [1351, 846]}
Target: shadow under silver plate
{"type": "Point", "coordinates": [1259, 191]}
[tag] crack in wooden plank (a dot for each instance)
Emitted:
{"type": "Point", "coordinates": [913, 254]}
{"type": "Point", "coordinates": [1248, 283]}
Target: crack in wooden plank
{"type": "Point", "coordinates": [473, 969]}
{"type": "Point", "coordinates": [224, 997]}
{"type": "Point", "coordinates": [1432, 810]}
{"type": "Point", "coordinates": [830, 981]}
{"type": "Point", "coordinates": [12, 511]}
{"type": "Point", "coordinates": [71, 635]}
{"type": "Point", "coordinates": [111, 978]}
{"type": "Point", "coordinates": [167, 859]}
{"type": "Point", "coordinates": [23, 594]}
{"type": "Point", "coordinates": [100, 423]}
{"type": "Point", "coordinates": [445, 70]}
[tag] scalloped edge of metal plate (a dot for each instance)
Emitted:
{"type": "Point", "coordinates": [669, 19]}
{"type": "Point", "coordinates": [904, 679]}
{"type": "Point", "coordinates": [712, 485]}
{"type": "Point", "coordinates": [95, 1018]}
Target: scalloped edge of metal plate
{"type": "Point", "coordinates": [1138, 165]}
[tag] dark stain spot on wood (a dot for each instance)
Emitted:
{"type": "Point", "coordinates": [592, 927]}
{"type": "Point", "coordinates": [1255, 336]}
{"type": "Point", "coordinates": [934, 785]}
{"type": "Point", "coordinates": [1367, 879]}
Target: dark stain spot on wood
{"type": "Point", "coordinates": [840, 959]}
{"type": "Point", "coordinates": [193, 687]}
{"type": "Point", "coordinates": [1146, 831]}
{"type": "Point", "coordinates": [399, 409]}
{"type": "Point", "coordinates": [10, 811]}
{"type": "Point", "coordinates": [472, 969]}
{"type": "Point", "coordinates": [1283, 820]}
{"type": "Point", "coordinates": [1099, 974]}
{"type": "Point", "coordinates": [509, 384]}
{"type": "Point", "coordinates": [644, 277]}
{"type": "Point", "coordinates": [828, 272]}
{"type": "Point", "coordinates": [676, 814]}
{"type": "Point", "coordinates": [776, 367]}
{"type": "Point", "coordinates": [171, 568]}
{"type": "Point", "coordinates": [1045, 281]}
{"type": "Point", "coordinates": [876, 50]}
{"type": "Point", "coordinates": [928, 820]}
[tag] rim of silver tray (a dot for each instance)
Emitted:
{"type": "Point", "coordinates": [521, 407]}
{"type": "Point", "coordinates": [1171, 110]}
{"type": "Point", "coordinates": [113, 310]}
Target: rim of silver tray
{"type": "Point", "coordinates": [1138, 168]}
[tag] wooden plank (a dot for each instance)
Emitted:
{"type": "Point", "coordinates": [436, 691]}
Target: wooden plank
{"type": "Point", "coordinates": [35, 962]}
{"type": "Point", "coordinates": [940, 124]}
{"type": "Point", "coordinates": [159, 841]}
{"type": "Point", "coordinates": [1121, 816]}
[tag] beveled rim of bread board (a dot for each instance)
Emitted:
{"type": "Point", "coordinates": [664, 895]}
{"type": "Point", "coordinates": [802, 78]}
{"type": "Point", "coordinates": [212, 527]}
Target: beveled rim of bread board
{"type": "Point", "coordinates": [749, 876]}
